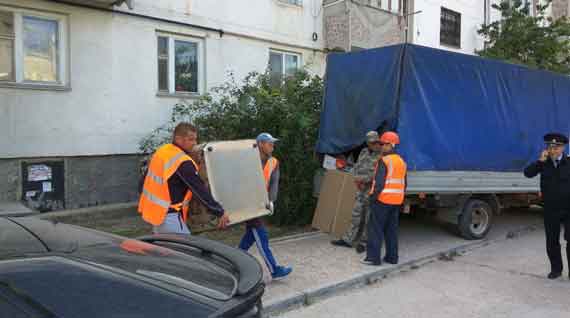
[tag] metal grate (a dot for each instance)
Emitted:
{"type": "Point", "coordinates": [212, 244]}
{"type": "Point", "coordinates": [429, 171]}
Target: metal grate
{"type": "Point", "coordinates": [450, 29]}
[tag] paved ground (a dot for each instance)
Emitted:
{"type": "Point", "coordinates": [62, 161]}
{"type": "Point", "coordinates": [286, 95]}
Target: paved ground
{"type": "Point", "coordinates": [317, 263]}
{"type": "Point", "coordinates": [503, 279]}
{"type": "Point", "coordinates": [319, 266]}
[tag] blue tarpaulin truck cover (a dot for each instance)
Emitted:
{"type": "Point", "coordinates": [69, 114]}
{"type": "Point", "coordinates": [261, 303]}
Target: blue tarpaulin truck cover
{"type": "Point", "coordinates": [454, 112]}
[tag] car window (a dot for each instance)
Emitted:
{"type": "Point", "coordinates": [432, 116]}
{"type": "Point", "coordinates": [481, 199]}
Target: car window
{"type": "Point", "coordinates": [74, 289]}
{"type": "Point", "coordinates": [15, 240]}
{"type": "Point", "coordinates": [174, 268]}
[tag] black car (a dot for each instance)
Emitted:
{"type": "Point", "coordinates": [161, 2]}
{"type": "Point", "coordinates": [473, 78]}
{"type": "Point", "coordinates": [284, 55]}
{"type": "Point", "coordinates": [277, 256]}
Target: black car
{"type": "Point", "coordinates": [50, 269]}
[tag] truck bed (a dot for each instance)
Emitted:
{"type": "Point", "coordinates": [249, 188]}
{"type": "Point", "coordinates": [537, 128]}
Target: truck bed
{"type": "Point", "coordinates": [470, 182]}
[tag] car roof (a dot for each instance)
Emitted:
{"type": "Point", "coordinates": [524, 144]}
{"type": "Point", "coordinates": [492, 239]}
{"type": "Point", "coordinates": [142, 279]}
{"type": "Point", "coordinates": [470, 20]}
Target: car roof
{"type": "Point", "coordinates": [186, 274]}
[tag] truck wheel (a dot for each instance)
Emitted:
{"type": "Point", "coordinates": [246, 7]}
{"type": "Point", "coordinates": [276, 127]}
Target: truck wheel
{"type": "Point", "coordinates": [476, 219]}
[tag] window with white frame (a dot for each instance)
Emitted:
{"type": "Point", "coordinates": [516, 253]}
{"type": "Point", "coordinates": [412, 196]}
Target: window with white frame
{"type": "Point", "coordinates": [390, 5]}
{"type": "Point", "coordinates": [293, 2]}
{"type": "Point", "coordinates": [32, 47]}
{"type": "Point", "coordinates": [179, 64]}
{"type": "Point", "coordinates": [387, 5]}
{"type": "Point", "coordinates": [283, 64]}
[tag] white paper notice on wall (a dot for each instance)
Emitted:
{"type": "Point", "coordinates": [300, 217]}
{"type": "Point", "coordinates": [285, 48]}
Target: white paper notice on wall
{"type": "Point", "coordinates": [329, 162]}
{"type": "Point", "coordinates": [30, 194]}
{"type": "Point", "coordinates": [39, 173]}
{"type": "Point", "coordinates": [46, 187]}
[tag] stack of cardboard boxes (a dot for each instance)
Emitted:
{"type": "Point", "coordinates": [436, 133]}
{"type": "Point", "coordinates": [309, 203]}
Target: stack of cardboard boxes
{"type": "Point", "coordinates": [336, 199]}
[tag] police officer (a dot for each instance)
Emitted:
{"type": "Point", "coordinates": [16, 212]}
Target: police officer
{"type": "Point", "coordinates": [386, 199]}
{"type": "Point", "coordinates": [554, 169]}
{"type": "Point", "coordinates": [363, 172]}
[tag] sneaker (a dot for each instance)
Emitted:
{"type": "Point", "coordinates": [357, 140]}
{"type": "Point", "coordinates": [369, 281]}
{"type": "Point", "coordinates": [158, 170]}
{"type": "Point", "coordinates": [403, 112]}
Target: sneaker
{"type": "Point", "coordinates": [281, 272]}
{"type": "Point", "coordinates": [390, 261]}
{"type": "Point", "coordinates": [370, 262]}
{"type": "Point", "coordinates": [341, 242]}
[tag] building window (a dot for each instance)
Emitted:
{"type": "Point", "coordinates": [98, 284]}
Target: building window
{"type": "Point", "coordinates": [293, 2]}
{"type": "Point", "coordinates": [7, 38]}
{"type": "Point", "coordinates": [40, 37]}
{"type": "Point", "coordinates": [525, 6]}
{"type": "Point", "coordinates": [32, 48]}
{"type": "Point", "coordinates": [390, 5]}
{"type": "Point", "coordinates": [282, 64]}
{"type": "Point", "coordinates": [163, 58]}
{"type": "Point", "coordinates": [450, 29]}
{"type": "Point", "coordinates": [179, 64]}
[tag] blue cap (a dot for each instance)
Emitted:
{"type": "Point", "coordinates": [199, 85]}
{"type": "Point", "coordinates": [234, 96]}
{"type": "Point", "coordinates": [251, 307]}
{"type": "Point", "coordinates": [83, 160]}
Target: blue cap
{"type": "Point", "coordinates": [266, 137]}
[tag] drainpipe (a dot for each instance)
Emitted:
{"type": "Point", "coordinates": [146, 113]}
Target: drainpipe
{"type": "Point", "coordinates": [347, 10]}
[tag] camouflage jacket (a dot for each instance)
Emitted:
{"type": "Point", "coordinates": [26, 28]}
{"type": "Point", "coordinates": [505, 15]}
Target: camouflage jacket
{"type": "Point", "coordinates": [364, 167]}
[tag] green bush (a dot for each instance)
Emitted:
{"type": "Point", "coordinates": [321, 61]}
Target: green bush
{"type": "Point", "coordinates": [241, 111]}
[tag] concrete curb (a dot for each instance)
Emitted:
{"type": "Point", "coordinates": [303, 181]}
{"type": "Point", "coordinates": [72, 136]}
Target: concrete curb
{"type": "Point", "coordinates": [88, 210]}
{"type": "Point", "coordinates": [313, 295]}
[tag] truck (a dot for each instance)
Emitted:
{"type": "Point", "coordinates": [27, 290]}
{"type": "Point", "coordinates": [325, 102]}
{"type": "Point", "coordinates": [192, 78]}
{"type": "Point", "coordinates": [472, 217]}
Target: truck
{"type": "Point", "coordinates": [468, 125]}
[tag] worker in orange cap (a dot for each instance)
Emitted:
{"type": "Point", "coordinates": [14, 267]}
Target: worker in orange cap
{"type": "Point", "coordinates": [386, 199]}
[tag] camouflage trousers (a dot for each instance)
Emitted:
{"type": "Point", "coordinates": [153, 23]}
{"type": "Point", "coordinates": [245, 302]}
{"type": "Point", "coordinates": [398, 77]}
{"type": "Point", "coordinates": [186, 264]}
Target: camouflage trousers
{"type": "Point", "coordinates": [356, 232]}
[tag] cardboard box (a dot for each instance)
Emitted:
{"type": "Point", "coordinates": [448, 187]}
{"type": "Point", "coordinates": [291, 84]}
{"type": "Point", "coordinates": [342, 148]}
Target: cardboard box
{"type": "Point", "coordinates": [336, 201]}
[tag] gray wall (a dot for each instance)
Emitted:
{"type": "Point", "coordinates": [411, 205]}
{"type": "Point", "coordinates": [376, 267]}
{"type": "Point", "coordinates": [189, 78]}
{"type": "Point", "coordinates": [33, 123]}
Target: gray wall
{"type": "Point", "coordinates": [9, 179]}
{"type": "Point", "coordinates": [89, 181]}
{"type": "Point", "coordinates": [101, 180]}
{"type": "Point", "coordinates": [349, 24]}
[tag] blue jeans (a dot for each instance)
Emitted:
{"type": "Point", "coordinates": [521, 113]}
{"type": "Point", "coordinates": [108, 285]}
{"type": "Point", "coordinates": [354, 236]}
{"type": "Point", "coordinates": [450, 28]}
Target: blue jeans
{"type": "Point", "coordinates": [258, 235]}
{"type": "Point", "coordinates": [173, 224]}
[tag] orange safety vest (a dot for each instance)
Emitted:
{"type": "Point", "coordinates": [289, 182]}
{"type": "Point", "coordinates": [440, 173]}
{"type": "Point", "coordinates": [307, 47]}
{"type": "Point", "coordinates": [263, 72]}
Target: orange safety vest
{"type": "Point", "coordinates": [155, 197]}
{"type": "Point", "coordinates": [270, 166]}
{"type": "Point", "coordinates": [395, 184]}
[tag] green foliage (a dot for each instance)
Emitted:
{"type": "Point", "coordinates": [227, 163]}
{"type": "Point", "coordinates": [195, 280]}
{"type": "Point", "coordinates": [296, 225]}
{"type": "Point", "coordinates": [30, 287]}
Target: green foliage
{"type": "Point", "coordinates": [536, 41]}
{"type": "Point", "coordinates": [243, 110]}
